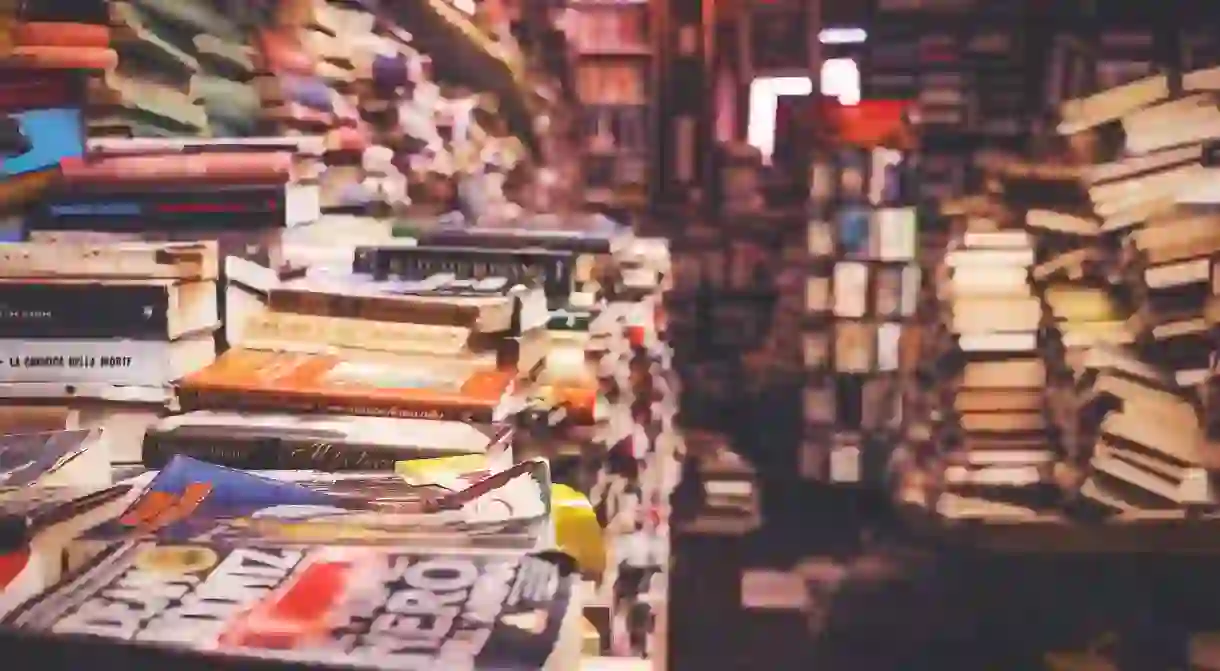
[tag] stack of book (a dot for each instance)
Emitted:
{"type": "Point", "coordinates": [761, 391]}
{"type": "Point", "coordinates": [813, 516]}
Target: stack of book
{"type": "Point", "coordinates": [995, 431]}
{"type": "Point", "coordinates": [332, 543]}
{"type": "Point", "coordinates": [872, 290]}
{"type": "Point", "coordinates": [223, 84]}
{"type": "Point", "coordinates": [103, 330]}
{"type": "Point", "coordinates": [242, 192]}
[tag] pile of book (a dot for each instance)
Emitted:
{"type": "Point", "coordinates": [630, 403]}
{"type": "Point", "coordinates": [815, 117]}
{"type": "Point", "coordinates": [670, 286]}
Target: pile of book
{"type": "Point", "coordinates": [989, 439]}
{"type": "Point", "coordinates": [210, 566]}
{"type": "Point", "coordinates": [241, 192]}
{"type": "Point", "coordinates": [102, 332]}
{"type": "Point", "coordinates": [855, 387]}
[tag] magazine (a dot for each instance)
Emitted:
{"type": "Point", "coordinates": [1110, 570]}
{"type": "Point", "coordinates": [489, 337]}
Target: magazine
{"type": "Point", "coordinates": [328, 607]}
{"type": "Point", "coordinates": [194, 501]}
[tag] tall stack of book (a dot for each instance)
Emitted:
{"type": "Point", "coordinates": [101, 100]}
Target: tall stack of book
{"type": "Point", "coordinates": [873, 289]}
{"type": "Point", "coordinates": [995, 436]}
{"type": "Point", "coordinates": [103, 330]}
{"type": "Point", "coordinates": [243, 192]}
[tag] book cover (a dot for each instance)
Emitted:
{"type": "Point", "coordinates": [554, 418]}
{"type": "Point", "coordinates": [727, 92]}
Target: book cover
{"type": "Point", "coordinates": [25, 510]}
{"type": "Point", "coordinates": [326, 443]}
{"type": "Point", "coordinates": [435, 389]}
{"type": "Point", "coordinates": [30, 458]}
{"type": "Point", "coordinates": [193, 501]}
{"type": "Point", "coordinates": [51, 135]}
{"type": "Point", "coordinates": [118, 308]}
{"type": "Point", "coordinates": [152, 604]}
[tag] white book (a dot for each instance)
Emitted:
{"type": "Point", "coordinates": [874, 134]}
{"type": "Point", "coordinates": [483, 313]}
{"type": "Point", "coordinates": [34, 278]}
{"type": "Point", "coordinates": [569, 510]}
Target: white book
{"type": "Point", "coordinates": [850, 289]}
{"type": "Point", "coordinates": [118, 362]}
{"type": "Point", "coordinates": [142, 260]}
{"type": "Point", "coordinates": [896, 233]}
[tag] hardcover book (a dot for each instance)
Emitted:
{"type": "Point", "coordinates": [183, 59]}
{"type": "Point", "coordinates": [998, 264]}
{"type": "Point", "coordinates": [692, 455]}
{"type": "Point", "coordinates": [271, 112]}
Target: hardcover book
{"type": "Point", "coordinates": [433, 389]}
{"type": "Point", "coordinates": [322, 607]}
{"type": "Point", "coordinates": [118, 308]}
{"type": "Point", "coordinates": [325, 443]}
{"type": "Point", "coordinates": [490, 305]}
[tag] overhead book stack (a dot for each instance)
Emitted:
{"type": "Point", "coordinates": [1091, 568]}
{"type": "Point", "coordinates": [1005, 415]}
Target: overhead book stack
{"type": "Point", "coordinates": [104, 330]}
{"type": "Point", "coordinates": [872, 290]}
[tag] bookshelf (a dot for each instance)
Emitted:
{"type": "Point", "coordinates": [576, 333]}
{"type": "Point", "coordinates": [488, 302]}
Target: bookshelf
{"type": "Point", "coordinates": [614, 66]}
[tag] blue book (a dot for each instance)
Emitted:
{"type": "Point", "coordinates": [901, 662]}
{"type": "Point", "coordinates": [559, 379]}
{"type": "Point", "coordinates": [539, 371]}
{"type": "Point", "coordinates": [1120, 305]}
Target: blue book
{"type": "Point", "coordinates": [52, 135]}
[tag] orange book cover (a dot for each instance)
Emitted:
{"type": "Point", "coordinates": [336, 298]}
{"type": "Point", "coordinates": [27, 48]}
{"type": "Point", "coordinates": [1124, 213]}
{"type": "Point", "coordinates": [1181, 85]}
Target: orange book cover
{"type": "Point", "coordinates": [56, 34]}
{"type": "Point", "coordinates": [435, 389]}
{"type": "Point", "coordinates": [243, 167]}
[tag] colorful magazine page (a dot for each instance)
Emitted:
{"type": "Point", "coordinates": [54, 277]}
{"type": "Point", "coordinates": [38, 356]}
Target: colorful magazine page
{"type": "Point", "coordinates": [50, 135]}
{"type": "Point", "coordinates": [27, 457]}
{"type": "Point", "coordinates": [191, 501]}
{"type": "Point", "coordinates": [325, 607]}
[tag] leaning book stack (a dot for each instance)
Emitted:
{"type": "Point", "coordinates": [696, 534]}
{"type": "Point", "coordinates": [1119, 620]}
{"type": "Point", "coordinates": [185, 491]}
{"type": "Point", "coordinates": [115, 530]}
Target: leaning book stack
{"type": "Point", "coordinates": [103, 331]}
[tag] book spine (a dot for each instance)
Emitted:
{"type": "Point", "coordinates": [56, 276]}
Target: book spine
{"type": "Point", "coordinates": [133, 216]}
{"type": "Point", "coordinates": [239, 167]}
{"type": "Point", "coordinates": [287, 327]}
{"type": "Point", "coordinates": [55, 311]}
{"type": "Point", "coordinates": [57, 34]}
{"type": "Point", "coordinates": [128, 362]}
{"type": "Point", "coordinates": [192, 398]}
{"type": "Point", "coordinates": [63, 58]}
{"type": "Point", "coordinates": [554, 270]}
{"type": "Point", "coordinates": [369, 307]}
{"type": "Point", "coordinates": [269, 453]}
{"type": "Point", "coordinates": [515, 240]}
{"type": "Point", "coordinates": [191, 261]}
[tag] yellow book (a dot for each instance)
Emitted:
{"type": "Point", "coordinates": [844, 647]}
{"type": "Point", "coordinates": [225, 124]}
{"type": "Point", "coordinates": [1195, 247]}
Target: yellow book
{"type": "Point", "coordinates": [577, 531]}
{"type": "Point", "coordinates": [1081, 304]}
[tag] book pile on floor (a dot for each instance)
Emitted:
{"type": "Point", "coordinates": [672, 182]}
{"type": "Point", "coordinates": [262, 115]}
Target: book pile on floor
{"type": "Point", "coordinates": [103, 331]}
{"type": "Point", "coordinates": [853, 395]}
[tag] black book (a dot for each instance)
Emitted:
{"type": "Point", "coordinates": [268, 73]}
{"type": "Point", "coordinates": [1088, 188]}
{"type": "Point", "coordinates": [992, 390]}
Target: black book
{"type": "Point", "coordinates": [269, 441]}
{"type": "Point", "coordinates": [553, 269]}
{"type": "Point", "coordinates": [113, 209]}
{"type": "Point", "coordinates": [137, 309]}
{"type": "Point", "coordinates": [205, 606]}
{"type": "Point", "coordinates": [514, 238]}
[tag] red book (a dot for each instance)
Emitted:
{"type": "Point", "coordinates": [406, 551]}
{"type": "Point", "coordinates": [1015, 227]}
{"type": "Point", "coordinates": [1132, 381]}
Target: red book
{"type": "Point", "coordinates": [231, 167]}
{"type": "Point", "coordinates": [47, 34]}
{"type": "Point", "coordinates": [60, 58]}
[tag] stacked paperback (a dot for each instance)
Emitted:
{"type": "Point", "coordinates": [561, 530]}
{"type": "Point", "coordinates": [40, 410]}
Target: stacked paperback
{"type": "Point", "coordinates": [105, 330]}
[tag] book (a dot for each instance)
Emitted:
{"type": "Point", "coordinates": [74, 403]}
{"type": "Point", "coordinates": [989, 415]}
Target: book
{"type": "Point", "coordinates": [372, 340]}
{"type": "Point", "coordinates": [51, 458]}
{"type": "Point", "coordinates": [326, 443]}
{"type": "Point", "coordinates": [52, 134]}
{"type": "Point", "coordinates": [219, 208]}
{"type": "Point", "coordinates": [120, 362]}
{"type": "Point", "coordinates": [489, 305]}
{"type": "Point", "coordinates": [272, 168]}
{"type": "Point", "coordinates": [170, 261]}
{"type": "Point", "coordinates": [555, 270]}
{"type": "Point", "coordinates": [434, 389]}
{"type": "Point", "coordinates": [193, 501]}
{"type": "Point", "coordinates": [26, 512]}
{"type": "Point", "coordinates": [585, 242]}
{"type": "Point", "coordinates": [344, 591]}
{"type": "Point", "coordinates": [119, 308]}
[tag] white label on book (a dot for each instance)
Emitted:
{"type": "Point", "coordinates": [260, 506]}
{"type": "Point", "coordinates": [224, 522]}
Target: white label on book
{"type": "Point", "coordinates": [819, 405]}
{"type": "Point", "coordinates": [889, 335]}
{"type": "Point", "coordinates": [821, 182]}
{"type": "Point", "coordinates": [850, 289]}
{"type": "Point", "coordinates": [820, 239]}
{"type": "Point", "coordinates": [122, 362]}
{"type": "Point", "coordinates": [816, 350]}
{"type": "Point", "coordinates": [910, 290]}
{"type": "Point", "coordinates": [817, 294]}
{"type": "Point", "coordinates": [896, 233]}
{"type": "Point", "coordinates": [845, 464]}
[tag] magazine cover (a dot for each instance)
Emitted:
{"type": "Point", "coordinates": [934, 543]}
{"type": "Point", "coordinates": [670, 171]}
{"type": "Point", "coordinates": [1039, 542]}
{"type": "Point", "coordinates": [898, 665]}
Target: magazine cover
{"type": "Point", "coordinates": [194, 501]}
{"type": "Point", "coordinates": [27, 457]}
{"type": "Point", "coordinates": [361, 608]}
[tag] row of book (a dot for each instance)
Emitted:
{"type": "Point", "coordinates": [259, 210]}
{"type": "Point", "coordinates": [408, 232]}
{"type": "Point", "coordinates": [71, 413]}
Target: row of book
{"type": "Point", "coordinates": [316, 358]}
{"type": "Point", "coordinates": [1075, 341]}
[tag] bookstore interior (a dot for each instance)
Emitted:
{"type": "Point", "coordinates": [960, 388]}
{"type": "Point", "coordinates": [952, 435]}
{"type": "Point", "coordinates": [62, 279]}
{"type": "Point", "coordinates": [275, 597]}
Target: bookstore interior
{"type": "Point", "coordinates": [812, 335]}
